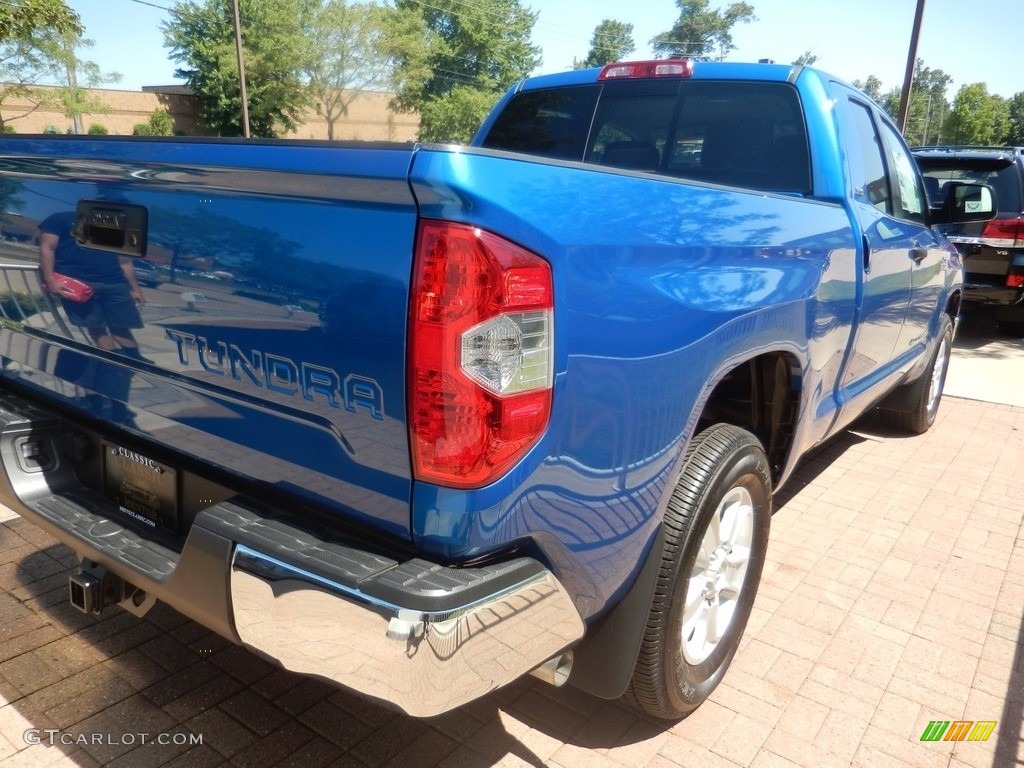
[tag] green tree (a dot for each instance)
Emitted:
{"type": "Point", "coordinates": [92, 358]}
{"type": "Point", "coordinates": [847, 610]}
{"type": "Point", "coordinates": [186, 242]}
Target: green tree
{"type": "Point", "coordinates": [23, 19]}
{"type": "Point", "coordinates": [31, 34]}
{"type": "Point", "coordinates": [699, 31]}
{"type": "Point", "coordinates": [79, 75]}
{"type": "Point", "coordinates": [159, 124]}
{"type": "Point", "coordinates": [612, 41]}
{"type": "Point", "coordinates": [890, 102]}
{"type": "Point", "coordinates": [977, 117]}
{"type": "Point", "coordinates": [454, 59]}
{"type": "Point", "coordinates": [805, 59]}
{"type": "Point", "coordinates": [1015, 133]}
{"type": "Point", "coordinates": [348, 55]}
{"type": "Point", "coordinates": [872, 88]}
{"type": "Point", "coordinates": [456, 117]}
{"type": "Point", "coordinates": [928, 105]}
{"type": "Point", "coordinates": [202, 40]}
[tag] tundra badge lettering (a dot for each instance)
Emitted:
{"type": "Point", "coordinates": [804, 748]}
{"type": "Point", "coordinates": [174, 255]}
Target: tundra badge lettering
{"type": "Point", "coordinates": [281, 374]}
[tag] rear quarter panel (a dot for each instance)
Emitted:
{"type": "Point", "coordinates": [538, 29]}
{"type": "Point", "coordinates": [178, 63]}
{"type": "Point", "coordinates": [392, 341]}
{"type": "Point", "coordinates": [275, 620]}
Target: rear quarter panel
{"type": "Point", "coordinates": [661, 287]}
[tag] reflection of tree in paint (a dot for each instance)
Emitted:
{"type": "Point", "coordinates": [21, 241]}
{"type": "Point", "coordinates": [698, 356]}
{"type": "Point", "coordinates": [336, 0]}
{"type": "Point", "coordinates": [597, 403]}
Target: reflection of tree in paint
{"type": "Point", "coordinates": [10, 204]}
{"type": "Point", "coordinates": [210, 241]}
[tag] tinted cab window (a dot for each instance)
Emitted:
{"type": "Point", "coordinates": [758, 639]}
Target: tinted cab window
{"type": "Point", "coordinates": [742, 134]}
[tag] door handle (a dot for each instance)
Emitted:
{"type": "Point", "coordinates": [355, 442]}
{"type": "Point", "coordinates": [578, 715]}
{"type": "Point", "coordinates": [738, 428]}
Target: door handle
{"type": "Point", "coordinates": [111, 226]}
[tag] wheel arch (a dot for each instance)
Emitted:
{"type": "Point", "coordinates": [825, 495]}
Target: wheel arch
{"type": "Point", "coordinates": [761, 394]}
{"type": "Point", "coordinates": [953, 305]}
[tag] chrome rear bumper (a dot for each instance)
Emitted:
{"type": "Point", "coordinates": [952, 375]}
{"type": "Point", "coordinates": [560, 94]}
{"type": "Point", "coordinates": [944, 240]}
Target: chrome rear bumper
{"type": "Point", "coordinates": [423, 660]}
{"type": "Point", "coordinates": [419, 635]}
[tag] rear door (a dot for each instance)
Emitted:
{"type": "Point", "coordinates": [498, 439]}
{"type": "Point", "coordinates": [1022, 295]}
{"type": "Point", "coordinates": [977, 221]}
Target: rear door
{"type": "Point", "coordinates": [928, 256]}
{"type": "Point", "coordinates": [900, 257]}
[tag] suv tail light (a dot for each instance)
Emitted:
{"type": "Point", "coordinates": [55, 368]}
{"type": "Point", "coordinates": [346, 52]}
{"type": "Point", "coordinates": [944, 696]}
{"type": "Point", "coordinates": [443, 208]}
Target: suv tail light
{"type": "Point", "coordinates": [1004, 233]}
{"type": "Point", "coordinates": [480, 354]}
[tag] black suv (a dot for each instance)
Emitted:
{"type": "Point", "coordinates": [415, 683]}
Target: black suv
{"type": "Point", "coordinates": [993, 251]}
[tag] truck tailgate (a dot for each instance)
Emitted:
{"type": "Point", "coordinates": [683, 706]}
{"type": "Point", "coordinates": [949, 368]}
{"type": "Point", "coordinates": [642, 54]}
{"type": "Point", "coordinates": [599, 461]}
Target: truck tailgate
{"type": "Point", "coordinates": [276, 291]}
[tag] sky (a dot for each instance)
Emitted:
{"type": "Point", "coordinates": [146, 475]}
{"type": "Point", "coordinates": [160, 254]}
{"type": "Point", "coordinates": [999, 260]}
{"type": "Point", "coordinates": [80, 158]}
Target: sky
{"type": "Point", "coordinates": [970, 41]}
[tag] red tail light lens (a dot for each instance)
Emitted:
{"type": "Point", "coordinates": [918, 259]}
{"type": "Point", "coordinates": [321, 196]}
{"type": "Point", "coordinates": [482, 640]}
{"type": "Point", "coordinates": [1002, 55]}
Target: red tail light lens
{"type": "Point", "coordinates": [1015, 281]}
{"type": "Point", "coordinates": [480, 359]}
{"type": "Point", "coordinates": [1004, 233]}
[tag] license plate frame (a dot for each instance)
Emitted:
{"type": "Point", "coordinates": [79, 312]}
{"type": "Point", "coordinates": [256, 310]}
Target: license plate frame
{"type": "Point", "coordinates": [144, 490]}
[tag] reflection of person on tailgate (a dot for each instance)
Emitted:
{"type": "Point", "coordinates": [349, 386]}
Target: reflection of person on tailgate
{"type": "Point", "coordinates": [108, 316]}
{"type": "Point", "coordinates": [112, 312]}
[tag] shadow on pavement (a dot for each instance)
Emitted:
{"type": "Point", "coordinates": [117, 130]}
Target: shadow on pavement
{"type": "Point", "coordinates": [1009, 736]}
{"type": "Point", "coordinates": [818, 460]}
{"type": "Point", "coordinates": [978, 333]}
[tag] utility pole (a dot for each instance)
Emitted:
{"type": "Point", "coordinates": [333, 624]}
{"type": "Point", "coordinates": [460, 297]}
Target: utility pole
{"type": "Point", "coordinates": [908, 78]}
{"type": "Point", "coordinates": [241, 70]}
{"type": "Point", "coordinates": [927, 121]}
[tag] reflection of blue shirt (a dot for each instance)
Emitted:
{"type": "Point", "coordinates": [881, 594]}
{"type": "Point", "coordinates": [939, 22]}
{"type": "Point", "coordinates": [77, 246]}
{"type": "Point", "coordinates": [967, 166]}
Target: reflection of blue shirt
{"type": "Point", "coordinates": [72, 260]}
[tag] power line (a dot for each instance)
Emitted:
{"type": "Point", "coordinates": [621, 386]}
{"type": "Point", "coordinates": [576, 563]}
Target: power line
{"type": "Point", "coordinates": [499, 19]}
{"type": "Point", "coordinates": [154, 5]}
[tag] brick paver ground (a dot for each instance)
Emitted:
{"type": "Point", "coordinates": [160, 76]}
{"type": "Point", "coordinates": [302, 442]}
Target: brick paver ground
{"type": "Point", "coordinates": [893, 596]}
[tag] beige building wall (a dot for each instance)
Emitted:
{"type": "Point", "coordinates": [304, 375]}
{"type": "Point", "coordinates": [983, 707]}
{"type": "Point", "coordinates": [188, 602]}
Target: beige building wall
{"type": "Point", "coordinates": [370, 117]}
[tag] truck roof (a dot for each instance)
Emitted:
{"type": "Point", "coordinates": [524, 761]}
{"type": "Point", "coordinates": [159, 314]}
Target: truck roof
{"type": "Point", "coordinates": [712, 70]}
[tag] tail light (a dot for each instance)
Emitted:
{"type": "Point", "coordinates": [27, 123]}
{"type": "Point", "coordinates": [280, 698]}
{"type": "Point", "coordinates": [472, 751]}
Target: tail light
{"type": "Point", "coordinates": [481, 358]}
{"type": "Point", "coordinates": [1004, 233]}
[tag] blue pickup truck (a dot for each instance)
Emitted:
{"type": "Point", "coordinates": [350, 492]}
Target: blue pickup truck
{"type": "Point", "coordinates": [423, 419]}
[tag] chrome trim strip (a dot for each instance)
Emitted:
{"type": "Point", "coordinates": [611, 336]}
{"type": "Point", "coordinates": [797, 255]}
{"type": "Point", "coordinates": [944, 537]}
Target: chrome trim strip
{"type": "Point", "coordinates": [423, 662]}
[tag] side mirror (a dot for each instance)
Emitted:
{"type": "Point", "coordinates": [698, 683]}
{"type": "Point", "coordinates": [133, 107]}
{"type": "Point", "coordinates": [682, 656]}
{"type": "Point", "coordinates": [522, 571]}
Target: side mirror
{"type": "Point", "coordinates": [965, 203]}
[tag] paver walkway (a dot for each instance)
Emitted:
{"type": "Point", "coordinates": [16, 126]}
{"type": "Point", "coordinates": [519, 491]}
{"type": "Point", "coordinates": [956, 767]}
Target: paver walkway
{"type": "Point", "coordinates": [893, 596]}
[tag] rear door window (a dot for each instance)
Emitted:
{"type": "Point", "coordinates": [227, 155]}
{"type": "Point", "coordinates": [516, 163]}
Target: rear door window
{"type": "Point", "coordinates": [909, 203]}
{"type": "Point", "coordinates": [867, 165]}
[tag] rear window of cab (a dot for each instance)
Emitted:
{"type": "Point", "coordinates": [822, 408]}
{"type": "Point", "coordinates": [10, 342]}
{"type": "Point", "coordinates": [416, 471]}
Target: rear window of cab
{"type": "Point", "coordinates": [735, 133]}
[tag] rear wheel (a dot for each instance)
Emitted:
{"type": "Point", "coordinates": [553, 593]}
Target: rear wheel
{"type": "Point", "coordinates": [716, 534]}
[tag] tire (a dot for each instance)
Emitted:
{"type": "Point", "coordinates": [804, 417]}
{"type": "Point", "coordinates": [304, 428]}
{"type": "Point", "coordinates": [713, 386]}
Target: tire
{"type": "Point", "coordinates": [925, 393]}
{"type": "Point", "coordinates": [709, 574]}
